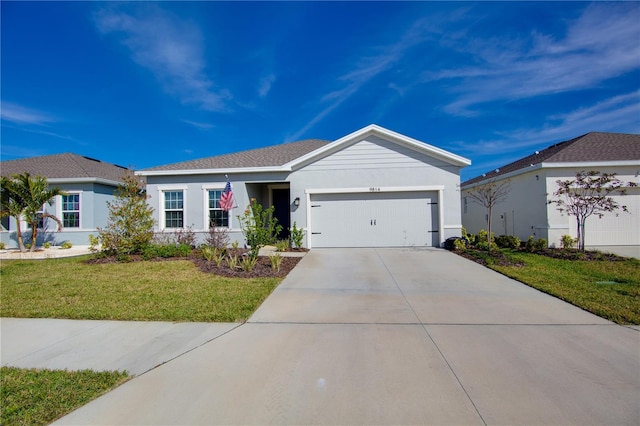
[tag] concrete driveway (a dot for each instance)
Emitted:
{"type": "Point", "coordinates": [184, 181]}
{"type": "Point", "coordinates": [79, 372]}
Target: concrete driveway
{"type": "Point", "coordinates": [392, 336]}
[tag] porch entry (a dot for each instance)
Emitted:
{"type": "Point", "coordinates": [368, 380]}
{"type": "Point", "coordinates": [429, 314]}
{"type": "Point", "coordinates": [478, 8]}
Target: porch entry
{"type": "Point", "coordinates": [282, 210]}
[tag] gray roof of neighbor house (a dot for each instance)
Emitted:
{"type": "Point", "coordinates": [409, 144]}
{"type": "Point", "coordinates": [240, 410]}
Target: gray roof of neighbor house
{"type": "Point", "coordinates": [63, 166]}
{"type": "Point", "coordinates": [593, 146]}
{"type": "Point", "coordinates": [270, 156]}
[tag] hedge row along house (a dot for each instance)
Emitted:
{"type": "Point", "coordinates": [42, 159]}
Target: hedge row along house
{"type": "Point", "coordinates": [533, 180]}
{"type": "Point", "coordinates": [371, 188]}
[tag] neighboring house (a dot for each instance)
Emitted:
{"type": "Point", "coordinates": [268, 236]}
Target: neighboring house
{"type": "Point", "coordinates": [372, 188]}
{"type": "Point", "coordinates": [526, 211]}
{"type": "Point", "coordinates": [87, 183]}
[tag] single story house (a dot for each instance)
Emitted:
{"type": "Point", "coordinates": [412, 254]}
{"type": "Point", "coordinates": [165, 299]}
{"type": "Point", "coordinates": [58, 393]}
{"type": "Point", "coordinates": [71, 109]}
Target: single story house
{"type": "Point", "coordinates": [533, 180]}
{"type": "Point", "coordinates": [88, 185]}
{"type": "Point", "coordinates": [371, 188]}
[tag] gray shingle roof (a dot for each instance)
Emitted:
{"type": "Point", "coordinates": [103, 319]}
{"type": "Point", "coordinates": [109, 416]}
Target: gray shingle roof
{"type": "Point", "coordinates": [63, 166]}
{"type": "Point", "coordinates": [594, 146]}
{"type": "Point", "coordinates": [271, 156]}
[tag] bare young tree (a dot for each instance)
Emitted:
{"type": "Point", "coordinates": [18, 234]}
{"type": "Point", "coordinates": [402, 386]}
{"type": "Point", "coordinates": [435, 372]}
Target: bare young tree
{"type": "Point", "coordinates": [488, 195]}
{"type": "Point", "coordinates": [589, 194]}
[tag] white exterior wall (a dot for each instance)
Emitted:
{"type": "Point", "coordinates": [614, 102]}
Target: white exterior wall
{"type": "Point", "coordinates": [616, 228]}
{"type": "Point", "coordinates": [195, 189]}
{"type": "Point", "coordinates": [523, 213]}
{"type": "Point", "coordinates": [528, 213]}
{"type": "Point", "coordinates": [381, 165]}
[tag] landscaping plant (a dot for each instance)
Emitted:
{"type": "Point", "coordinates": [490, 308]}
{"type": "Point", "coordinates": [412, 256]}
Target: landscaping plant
{"type": "Point", "coordinates": [276, 261]}
{"type": "Point", "coordinates": [23, 196]}
{"type": "Point", "coordinates": [130, 225]}
{"type": "Point", "coordinates": [297, 236]}
{"type": "Point", "coordinates": [259, 226]}
{"type": "Point", "coordinates": [587, 195]}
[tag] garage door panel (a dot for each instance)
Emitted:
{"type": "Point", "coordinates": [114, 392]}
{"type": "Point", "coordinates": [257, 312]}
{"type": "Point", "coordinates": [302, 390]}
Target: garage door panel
{"type": "Point", "coordinates": [397, 219]}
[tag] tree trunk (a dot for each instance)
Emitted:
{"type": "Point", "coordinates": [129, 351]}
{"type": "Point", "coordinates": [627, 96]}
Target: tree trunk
{"type": "Point", "coordinates": [580, 234]}
{"type": "Point", "coordinates": [34, 237]}
{"type": "Point", "coordinates": [19, 234]}
{"type": "Point", "coordinates": [489, 230]}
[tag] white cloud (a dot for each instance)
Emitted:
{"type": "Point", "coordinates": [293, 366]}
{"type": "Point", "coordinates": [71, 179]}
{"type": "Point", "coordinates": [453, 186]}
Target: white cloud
{"type": "Point", "coordinates": [19, 114]}
{"type": "Point", "coordinates": [601, 44]}
{"type": "Point", "coordinates": [199, 125]}
{"type": "Point", "coordinates": [265, 85]}
{"type": "Point", "coordinates": [171, 49]}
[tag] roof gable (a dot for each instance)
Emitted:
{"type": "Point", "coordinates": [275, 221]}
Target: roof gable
{"type": "Point", "coordinates": [590, 147]}
{"type": "Point", "coordinates": [65, 166]}
{"type": "Point", "coordinates": [374, 130]}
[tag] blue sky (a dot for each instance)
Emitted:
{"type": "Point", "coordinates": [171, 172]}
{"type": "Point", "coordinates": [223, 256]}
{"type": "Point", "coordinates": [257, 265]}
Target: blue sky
{"type": "Point", "coordinates": [143, 84]}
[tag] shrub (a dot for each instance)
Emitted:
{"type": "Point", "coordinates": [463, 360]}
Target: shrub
{"type": "Point", "coordinates": [66, 245]}
{"type": "Point", "coordinates": [93, 243]}
{"type": "Point", "coordinates": [508, 241]}
{"type": "Point", "coordinates": [2, 246]}
{"type": "Point", "coordinates": [481, 237]}
{"type": "Point", "coordinates": [259, 226]}
{"type": "Point", "coordinates": [186, 236]}
{"type": "Point", "coordinates": [567, 242]}
{"type": "Point", "coordinates": [46, 244]}
{"type": "Point", "coordinates": [460, 244]}
{"type": "Point", "coordinates": [218, 256]}
{"type": "Point", "coordinates": [282, 245]}
{"type": "Point", "coordinates": [208, 253]}
{"type": "Point", "coordinates": [248, 263]}
{"type": "Point", "coordinates": [166, 251]}
{"type": "Point", "coordinates": [532, 245]}
{"type": "Point", "coordinates": [130, 226]}
{"type": "Point", "coordinates": [232, 261]}
{"type": "Point", "coordinates": [218, 237]}
{"type": "Point", "coordinates": [297, 236]}
{"type": "Point", "coordinates": [276, 261]}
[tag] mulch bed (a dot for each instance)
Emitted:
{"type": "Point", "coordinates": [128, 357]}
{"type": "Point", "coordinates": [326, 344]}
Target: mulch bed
{"type": "Point", "coordinates": [262, 269]}
{"type": "Point", "coordinates": [499, 258]}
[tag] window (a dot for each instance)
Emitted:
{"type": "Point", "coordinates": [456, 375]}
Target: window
{"type": "Point", "coordinates": [40, 218]}
{"type": "Point", "coordinates": [217, 216]}
{"type": "Point", "coordinates": [173, 209]}
{"type": "Point", "coordinates": [71, 211]}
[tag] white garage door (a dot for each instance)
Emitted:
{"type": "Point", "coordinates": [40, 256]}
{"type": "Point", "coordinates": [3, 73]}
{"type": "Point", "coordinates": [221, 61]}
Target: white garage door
{"type": "Point", "coordinates": [380, 219]}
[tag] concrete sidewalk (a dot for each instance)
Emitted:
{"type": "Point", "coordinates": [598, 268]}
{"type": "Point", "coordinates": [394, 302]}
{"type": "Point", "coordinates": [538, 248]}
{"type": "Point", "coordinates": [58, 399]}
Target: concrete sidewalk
{"type": "Point", "coordinates": [136, 347]}
{"type": "Point", "coordinates": [382, 336]}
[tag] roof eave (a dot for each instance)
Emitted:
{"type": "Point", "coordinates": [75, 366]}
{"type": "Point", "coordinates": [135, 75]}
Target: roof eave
{"type": "Point", "coordinates": [84, 180]}
{"type": "Point", "coordinates": [222, 171]}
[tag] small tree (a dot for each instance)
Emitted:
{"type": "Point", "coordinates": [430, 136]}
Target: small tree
{"type": "Point", "coordinates": [589, 194]}
{"type": "Point", "coordinates": [130, 225]}
{"type": "Point", "coordinates": [259, 226]}
{"type": "Point", "coordinates": [23, 197]}
{"type": "Point", "coordinates": [488, 195]}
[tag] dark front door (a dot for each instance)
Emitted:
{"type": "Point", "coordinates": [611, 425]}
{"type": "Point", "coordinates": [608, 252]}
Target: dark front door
{"type": "Point", "coordinates": [282, 210]}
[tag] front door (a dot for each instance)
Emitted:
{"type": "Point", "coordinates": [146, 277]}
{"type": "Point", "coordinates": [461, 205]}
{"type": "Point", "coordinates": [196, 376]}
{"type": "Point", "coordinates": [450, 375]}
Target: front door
{"type": "Point", "coordinates": [282, 210]}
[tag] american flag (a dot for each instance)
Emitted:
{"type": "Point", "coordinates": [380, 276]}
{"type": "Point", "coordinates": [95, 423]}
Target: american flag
{"type": "Point", "coordinates": [226, 199]}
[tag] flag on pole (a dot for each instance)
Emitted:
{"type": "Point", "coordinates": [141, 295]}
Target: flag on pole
{"type": "Point", "coordinates": [226, 199]}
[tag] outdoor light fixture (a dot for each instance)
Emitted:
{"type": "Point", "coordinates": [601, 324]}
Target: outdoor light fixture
{"type": "Point", "coordinates": [296, 202]}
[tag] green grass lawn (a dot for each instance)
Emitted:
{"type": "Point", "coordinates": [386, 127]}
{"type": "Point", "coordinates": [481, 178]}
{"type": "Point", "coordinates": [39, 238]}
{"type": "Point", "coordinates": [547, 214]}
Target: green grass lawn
{"type": "Point", "coordinates": [38, 397]}
{"type": "Point", "coordinates": [139, 291]}
{"type": "Point", "coordinates": [609, 289]}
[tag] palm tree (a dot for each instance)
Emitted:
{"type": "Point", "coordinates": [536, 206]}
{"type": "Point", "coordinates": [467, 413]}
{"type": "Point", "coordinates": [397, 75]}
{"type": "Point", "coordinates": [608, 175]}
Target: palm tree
{"type": "Point", "coordinates": [24, 196]}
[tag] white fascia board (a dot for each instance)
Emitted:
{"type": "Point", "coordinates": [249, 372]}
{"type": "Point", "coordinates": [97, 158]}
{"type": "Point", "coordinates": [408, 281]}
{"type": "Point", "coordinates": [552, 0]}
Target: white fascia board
{"type": "Point", "coordinates": [372, 130]}
{"type": "Point", "coordinates": [84, 180]}
{"type": "Point", "coordinates": [211, 171]}
{"type": "Point", "coordinates": [498, 178]}
{"type": "Point", "coordinates": [588, 164]}
{"type": "Point", "coordinates": [374, 190]}
{"type": "Point", "coordinates": [533, 167]}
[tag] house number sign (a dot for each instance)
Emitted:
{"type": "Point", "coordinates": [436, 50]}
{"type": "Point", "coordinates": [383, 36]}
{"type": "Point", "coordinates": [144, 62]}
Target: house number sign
{"type": "Point", "coordinates": [374, 189]}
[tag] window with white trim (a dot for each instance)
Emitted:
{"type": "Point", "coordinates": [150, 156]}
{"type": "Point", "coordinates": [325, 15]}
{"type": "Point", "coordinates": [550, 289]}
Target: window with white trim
{"type": "Point", "coordinates": [217, 216]}
{"type": "Point", "coordinates": [174, 209]}
{"type": "Point", "coordinates": [71, 211]}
